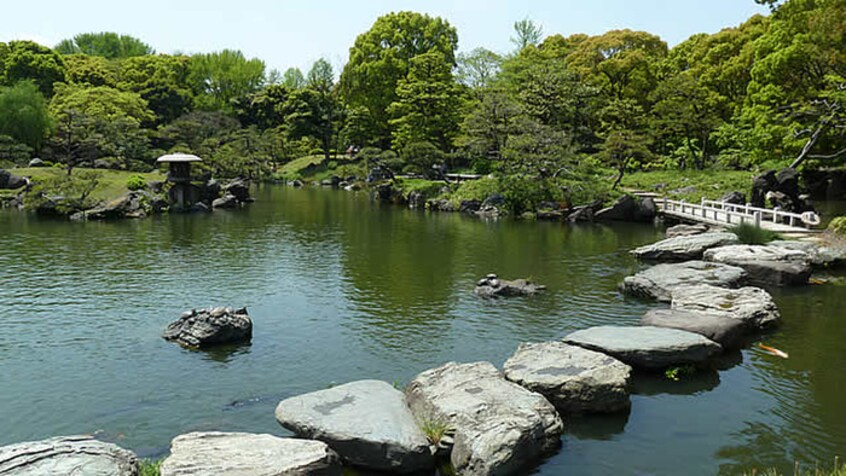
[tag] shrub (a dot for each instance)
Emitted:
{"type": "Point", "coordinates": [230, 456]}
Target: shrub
{"type": "Point", "coordinates": [838, 225]}
{"type": "Point", "coordinates": [753, 235]}
{"type": "Point", "coordinates": [136, 182]}
{"type": "Point", "coordinates": [368, 154]}
{"type": "Point", "coordinates": [150, 468]}
{"type": "Point", "coordinates": [419, 157]}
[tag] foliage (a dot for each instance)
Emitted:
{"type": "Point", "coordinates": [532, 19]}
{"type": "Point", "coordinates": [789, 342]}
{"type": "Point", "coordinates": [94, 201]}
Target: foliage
{"type": "Point", "coordinates": [136, 182]}
{"type": "Point", "coordinates": [23, 115]}
{"type": "Point", "coordinates": [838, 225]}
{"type": "Point", "coordinates": [749, 234]}
{"type": "Point", "coordinates": [218, 78]}
{"type": "Point", "coordinates": [160, 80]}
{"type": "Point", "coordinates": [526, 33]}
{"type": "Point", "coordinates": [478, 68]}
{"type": "Point", "coordinates": [293, 78]}
{"type": "Point", "coordinates": [106, 44]}
{"type": "Point", "coordinates": [27, 60]}
{"type": "Point", "coordinates": [90, 70]}
{"type": "Point", "coordinates": [420, 157]}
{"type": "Point", "coordinates": [150, 468]}
{"type": "Point", "coordinates": [434, 430]}
{"type": "Point", "coordinates": [71, 192]}
{"type": "Point", "coordinates": [13, 152]}
{"type": "Point", "coordinates": [677, 373]}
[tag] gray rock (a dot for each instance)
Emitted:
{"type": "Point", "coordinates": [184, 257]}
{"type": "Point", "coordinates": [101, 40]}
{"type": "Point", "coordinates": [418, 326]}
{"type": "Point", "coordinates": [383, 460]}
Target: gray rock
{"type": "Point", "coordinates": [685, 230]}
{"type": "Point", "coordinates": [736, 198]}
{"type": "Point", "coordinates": [500, 427]}
{"type": "Point", "coordinates": [208, 327]}
{"type": "Point", "coordinates": [36, 162]}
{"type": "Point", "coordinates": [819, 254]}
{"type": "Point", "coordinates": [469, 206]}
{"type": "Point", "coordinates": [67, 456]}
{"type": "Point", "coordinates": [723, 330]}
{"type": "Point", "coordinates": [684, 248]}
{"type": "Point", "coordinates": [629, 208]}
{"type": "Point", "coordinates": [367, 423]}
{"type": "Point", "coordinates": [766, 265]}
{"type": "Point", "coordinates": [131, 205]}
{"type": "Point", "coordinates": [572, 378]}
{"type": "Point", "coordinates": [659, 281]}
{"type": "Point", "coordinates": [491, 287]}
{"type": "Point", "coordinates": [753, 306]}
{"type": "Point", "coordinates": [10, 181]}
{"type": "Point", "coordinates": [226, 201]}
{"type": "Point", "coordinates": [585, 212]}
{"type": "Point", "coordinates": [240, 188]}
{"type": "Point", "coordinates": [647, 347]}
{"type": "Point", "coordinates": [245, 454]}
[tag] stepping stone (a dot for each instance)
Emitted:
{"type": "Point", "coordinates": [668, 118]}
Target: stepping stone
{"type": "Point", "coordinates": [646, 347]}
{"type": "Point", "coordinates": [67, 455]}
{"type": "Point", "coordinates": [726, 331]}
{"type": "Point", "coordinates": [753, 306]}
{"type": "Point", "coordinates": [366, 422]}
{"type": "Point", "coordinates": [659, 281]}
{"type": "Point", "coordinates": [572, 378]}
{"type": "Point", "coordinates": [246, 454]}
{"type": "Point", "coordinates": [766, 265]}
{"type": "Point", "coordinates": [500, 427]}
{"type": "Point", "coordinates": [819, 254]}
{"type": "Point", "coordinates": [685, 230]}
{"type": "Point", "coordinates": [684, 248]}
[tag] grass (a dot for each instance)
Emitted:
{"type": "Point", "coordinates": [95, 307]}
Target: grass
{"type": "Point", "coordinates": [837, 470]}
{"type": "Point", "coordinates": [838, 226]}
{"type": "Point", "coordinates": [112, 183]}
{"type": "Point", "coordinates": [313, 167]}
{"type": "Point", "coordinates": [434, 430]}
{"type": "Point", "coordinates": [710, 184]}
{"type": "Point", "coordinates": [752, 235]}
{"type": "Point", "coordinates": [150, 468]}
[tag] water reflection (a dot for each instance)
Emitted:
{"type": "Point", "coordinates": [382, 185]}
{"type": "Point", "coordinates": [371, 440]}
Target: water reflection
{"type": "Point", "coordinates": [597, 426]}
{"type": "Point", "coordinates": [651, 384]}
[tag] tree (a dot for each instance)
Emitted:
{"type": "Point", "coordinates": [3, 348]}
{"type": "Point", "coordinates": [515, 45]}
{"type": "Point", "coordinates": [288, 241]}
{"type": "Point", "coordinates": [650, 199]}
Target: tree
{"type": "Point", "coordinates": [489, 123]}
{"type": "Point", "coordinates": [162, 81]}
{"type": "Point", "coordinates": [198, 132]}
{"type": "Point", "coordinates": [90, 70]}
{"type": "Point", "coordinates": [220, 77]}
{"type": "Point", "coordinates": [321, 77]}
{"type": "Point", "coordinates": [624, 141]}
{"type": "Point", "coordinates": [23, 114]}
{"type": "Point", "coordinates": [526, 33]}
{"type": "Point", "coordinates": [27, 60]}
{"type": "Point", "coordinates": [313, 113]}
{"type": "Point", "coordinates": [264, 108]}
{"type": "Point", "coordinates": [478, 68]}
{"type": "Point", "coordinates": [824, 119]}
{"type": "Point", "coordinates": [428, 103]}
{"type": "Point", "coordinates": [106, 44]}
{"type": "Point", "coordinates": [293, 78]}
{"type": "Point", "coordinates": [381, 57]}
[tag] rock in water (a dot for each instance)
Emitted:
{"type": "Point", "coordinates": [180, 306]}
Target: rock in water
{"type": "Point", "coordinates": [647, 347]}
{"type": "Point", "coordinates": [245, 454]}
{"type": "Point", "coordinates": [367, 423]}
{"type": "Point", "coordinates": [685, 230]}
{"type": "Point", "coordinates": [753, 306]}
{"type": "Point", "coordinates": [659, 281]}
{"type": "Point", "coordinates": [206, 327]}
{"type": "Point", "coordinates": [819, 254]}
{"type": "Point", "coordinates": [491, 286]}
{"type": "Point", "coordinates": [500, 427]}
{"type": "Point", "coordinates": [684, 248]}
{"type": "Point", "coordinates": [68, 455]}
{"type": "Point", "coordinates": [766, 265]}
{"type": "Point", "coordinates": [572, 378]}
{"type": "Point", "coordinates": [721, 329]}
{"type": "Point", "coordinates": [226, 201]}
{"type": "Point", "coordinates": [9, 181]}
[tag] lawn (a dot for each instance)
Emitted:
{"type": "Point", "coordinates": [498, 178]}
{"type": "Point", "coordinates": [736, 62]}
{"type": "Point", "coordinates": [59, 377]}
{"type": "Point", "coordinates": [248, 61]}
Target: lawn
{"type": "Point", "coordinates": [112, 183]}
{"type": "Point", "coordinates": [690, 185]}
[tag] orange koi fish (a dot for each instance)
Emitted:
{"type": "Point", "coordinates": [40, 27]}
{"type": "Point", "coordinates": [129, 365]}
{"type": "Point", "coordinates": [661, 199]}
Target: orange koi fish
{"type": "Point", "coordinates": [774, 351]}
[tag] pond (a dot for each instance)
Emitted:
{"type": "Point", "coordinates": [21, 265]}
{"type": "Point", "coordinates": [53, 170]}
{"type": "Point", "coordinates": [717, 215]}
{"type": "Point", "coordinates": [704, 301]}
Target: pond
{"type": "Point", "coordinates": [342, 289]}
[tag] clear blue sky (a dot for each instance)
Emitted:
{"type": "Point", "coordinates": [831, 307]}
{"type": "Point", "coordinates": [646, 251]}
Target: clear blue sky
{"type": "Point", "coordinates": [288, 33]}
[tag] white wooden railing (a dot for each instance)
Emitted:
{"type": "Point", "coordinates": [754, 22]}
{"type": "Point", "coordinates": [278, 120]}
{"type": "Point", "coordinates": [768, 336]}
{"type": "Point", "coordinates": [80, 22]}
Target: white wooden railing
{"type": "Point", "coordinates": [729, 213]}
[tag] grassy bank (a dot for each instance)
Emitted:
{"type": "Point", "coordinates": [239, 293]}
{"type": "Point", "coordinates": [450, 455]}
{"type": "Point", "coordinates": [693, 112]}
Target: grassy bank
{"type": "Point", "coordinates": [111, 184]}
{"type": "Point", "coordinates": [690, 185]}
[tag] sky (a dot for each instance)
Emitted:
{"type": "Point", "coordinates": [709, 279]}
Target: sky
{"type": "Point", "coordinates": [286, 33]}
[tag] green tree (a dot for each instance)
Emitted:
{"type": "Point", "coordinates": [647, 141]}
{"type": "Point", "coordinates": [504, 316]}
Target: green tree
{"type": "Point", "coordinates": [23, 114]}
{"type": "Point", "coordinates": [106, 44]}
{"type": "Point", "coordinates": [488, 124]}
{"type": "Point", "coordinates": [428, 103]}
{"type": "Point", "coordinates": [162, 81]}
{"type": "Point", "coordinates": [90, 70]}
{"type": "Point", "coordinates": [625, 143]}
{"type": "Point", "coordinates": [293, 78]}
{"type": "Point", "coordinates": [381, 57]}
{"type": "Point", "coordinates": [321, 76]}
{"type": "Point", "coordinates": [27, 60]}
{"type": "Point", "coordinates": [314, 113]}
{"type": "Point", "coordinates": [220, 77]}
{"type": "Point", "coordinates": [526, 32]}
{"type": "Point", "coordinates": [264, 108]}
{"type": "Point", "coordinates": [478, 68]}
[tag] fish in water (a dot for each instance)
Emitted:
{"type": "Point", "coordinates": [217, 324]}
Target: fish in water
{"type": "Point", "coordinates": [773, 351]}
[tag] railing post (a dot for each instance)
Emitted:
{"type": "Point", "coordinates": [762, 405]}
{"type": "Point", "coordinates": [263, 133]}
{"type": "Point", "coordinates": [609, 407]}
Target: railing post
{"type": "Point", "coordinates": [775, 214]}
{"type": "Point", "coordinates": [757, 216]}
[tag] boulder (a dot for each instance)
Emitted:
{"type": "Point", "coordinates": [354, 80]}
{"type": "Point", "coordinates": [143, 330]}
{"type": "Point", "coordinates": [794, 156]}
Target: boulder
{"type": "Point", "coordinates": [683, 191]}
{"type": "Point", "coordinates": [210, 190]}
{"type": "Point", "coordinates": [766, 265]}
{"type": "Point", "coordinates": [572, 378]}
{"type": "Point", "coordinates": [819, 254]}
{"type": "Point", "coordinates": [226, 201]}
{"type": "Point", "coordinates": [629, 208]}
{"type": "Point", "coordinates": [584, 212]}
{"type": "Point", "coordinates": [416, 199]}
{"type": "Point", "coordinates": [296, 183]}
{"type": "Point", "coordinates": [367, 423]}
{"type": "Point", "coordinates": [753, 306]}
{"type": "Point", "coordinates": [723, 330]}
{"type": "Point", "coordinates": [67, 455]}
{"type": "Point", "coordinates": [246, 454]}
{"type": "Point", "coordinates": [131, 205]}
{"type": "Point", "coordinates": [736, 198]}
{"type": "Point", "coordinates": [491, 286]}
{"type": "Point", "coordinates": [208, 327]}
{"type": "Point", "coordinates": [9, 181]}
{"type": "Point", "coordinates": [761, 185]}
{"type": "Point", "coordinates": [684, 248]}
{"type": "Point", "coordinates": [36, 163]}
{"type": "Point", "coordinates": [469, 206]}
{"type": "Point", "coordinates": [659, 281]}
{"type": "Point", "coordinates": [500, 427]}
{"type": "Point", "coordinates": [647, 347]}
{"type": "Point", "coordinates": [440, 205]}
{"type": "Point", "coordinates": [494, 200]}
{"type": "Point", "coordinates": [685, 230]}
{"type": "Point", "coordinates": [240, 188]}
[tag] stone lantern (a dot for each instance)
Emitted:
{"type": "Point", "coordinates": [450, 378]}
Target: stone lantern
{"type": "Point", "coordinates": [183, 195]}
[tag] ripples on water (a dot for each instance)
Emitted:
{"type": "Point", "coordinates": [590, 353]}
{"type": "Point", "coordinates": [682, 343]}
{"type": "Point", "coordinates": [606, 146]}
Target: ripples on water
{"type": "Point", "coordinates": [340, 289]}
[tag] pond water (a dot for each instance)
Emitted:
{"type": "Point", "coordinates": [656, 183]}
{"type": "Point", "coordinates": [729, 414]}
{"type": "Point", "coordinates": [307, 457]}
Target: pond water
{"type": "Point", "coordinates": [342, 289]}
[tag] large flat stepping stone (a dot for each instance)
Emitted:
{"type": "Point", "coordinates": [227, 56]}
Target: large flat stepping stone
{"type": "Point", "coordinates": [67, 456]}
{"type": "Point", "coordinates": [766, 265]}
{"type": "Point", "coordinates": [726, 331]}
{"type": "Point", "coordinates": [753, 306]}
{"type": "Point", "coordinates": [572, 378]}
{"type": "Point", "coordinates": [684, 248]}
{"type": "Point", "coordinates": [819, 254]}
{"type": "Point", "coordinates": [646, 347]}
{"type": "Point", "coordinates": [659, 281]}
{"type": "Point", "coordinates": [366, 422]}
{"type": "Point", "coordinates": [246, 454]}
{"type": "Point", "coordinates": [500, 427]}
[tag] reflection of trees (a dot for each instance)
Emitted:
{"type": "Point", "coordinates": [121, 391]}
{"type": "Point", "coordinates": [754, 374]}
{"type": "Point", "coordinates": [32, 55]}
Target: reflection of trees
{"type": "Point", "coordinates": [807, 421]}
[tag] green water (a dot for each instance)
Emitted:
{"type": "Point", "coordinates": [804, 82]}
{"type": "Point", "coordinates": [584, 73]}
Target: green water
{"type": "Point", "coordinates": [342, 289]}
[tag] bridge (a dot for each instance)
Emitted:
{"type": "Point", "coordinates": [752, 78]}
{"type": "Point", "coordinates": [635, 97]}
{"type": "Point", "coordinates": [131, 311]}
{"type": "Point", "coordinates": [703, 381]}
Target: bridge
{"type": "Point", "coordinates": [716, 213]}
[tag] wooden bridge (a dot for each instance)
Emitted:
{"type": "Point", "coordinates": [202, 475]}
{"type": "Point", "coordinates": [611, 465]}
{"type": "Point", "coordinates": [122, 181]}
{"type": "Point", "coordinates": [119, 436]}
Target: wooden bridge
{"type": "Point", "coordinates": [716, 213]}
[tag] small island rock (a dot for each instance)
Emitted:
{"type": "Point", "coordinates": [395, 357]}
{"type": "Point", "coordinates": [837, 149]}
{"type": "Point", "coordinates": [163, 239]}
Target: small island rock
{"type": "Point", "coordinates": [206, 327]}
